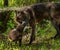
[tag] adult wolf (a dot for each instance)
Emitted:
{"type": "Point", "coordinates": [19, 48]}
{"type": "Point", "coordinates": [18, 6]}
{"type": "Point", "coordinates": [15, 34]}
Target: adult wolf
{"type": "Point", "coordinates": [36, 13]}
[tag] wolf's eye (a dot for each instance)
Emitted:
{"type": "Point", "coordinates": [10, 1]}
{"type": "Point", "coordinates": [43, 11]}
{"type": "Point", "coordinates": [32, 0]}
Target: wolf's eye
{"type": "Point", "coordinates": [18, 18]}
{"type": "Point", "coordinates": [20, 22]}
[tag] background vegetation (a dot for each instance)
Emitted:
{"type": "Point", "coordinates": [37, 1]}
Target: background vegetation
{"type": "Point", "coordinates": [43, 31]}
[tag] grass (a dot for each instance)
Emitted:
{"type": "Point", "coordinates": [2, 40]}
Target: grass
{"type": "Point", "coordinates": [45, 45]}
{"type": "Point", "coordinates": [42, 41]}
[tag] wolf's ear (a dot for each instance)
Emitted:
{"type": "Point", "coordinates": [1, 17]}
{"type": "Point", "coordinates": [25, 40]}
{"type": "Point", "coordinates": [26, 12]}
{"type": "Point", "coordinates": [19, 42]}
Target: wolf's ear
{"type": "Point", "coordinates": [27, 14]}
{"type": "Point", "coordinates": [18, 11]}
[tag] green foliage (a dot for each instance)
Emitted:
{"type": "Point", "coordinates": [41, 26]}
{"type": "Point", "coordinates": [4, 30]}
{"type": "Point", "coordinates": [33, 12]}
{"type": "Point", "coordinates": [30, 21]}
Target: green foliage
{"type": "Point", "coordinates": [21, 2]}
{"type": "Point", "coordinates": [12, 2]}
{"type": "Point", "coordinates": [1, 3]}
{"type": "Point", "coordinates": [11, 22]}
{"type": "Point", "coordinates": [0, 23]}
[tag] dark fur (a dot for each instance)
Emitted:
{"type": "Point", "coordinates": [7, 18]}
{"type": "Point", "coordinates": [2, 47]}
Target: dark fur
{"type": "Point", "coordinates": [36, 13]}
{"type": "Point", "coordinates": [55, 17]}
{"type": "Point", "coordinates": [16, 34]}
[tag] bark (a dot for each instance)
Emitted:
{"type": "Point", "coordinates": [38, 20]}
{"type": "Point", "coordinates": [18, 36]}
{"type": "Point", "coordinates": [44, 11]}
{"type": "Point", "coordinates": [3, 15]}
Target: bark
{"type": "Point", "coordinates": [5, 2]}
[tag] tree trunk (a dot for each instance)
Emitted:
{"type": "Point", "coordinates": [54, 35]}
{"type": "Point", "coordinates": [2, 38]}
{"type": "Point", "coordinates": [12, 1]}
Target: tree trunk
{"type": "Point", "coordinates": [40, 1]}
{"type": "Point", "coordinates": [4, 18]}
{"type": "Point", "coordinates": [5, 2]}
{"type": "Point", "coordinates": [50, 0]}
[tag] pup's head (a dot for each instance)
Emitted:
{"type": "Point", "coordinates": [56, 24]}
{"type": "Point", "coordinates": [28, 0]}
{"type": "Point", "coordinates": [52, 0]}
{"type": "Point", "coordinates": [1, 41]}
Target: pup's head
{"type": "Point", "coordinates": [16, 33]}
{"type": "Point", "coordinates": [13, 34]}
